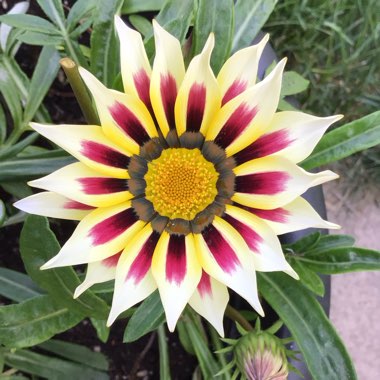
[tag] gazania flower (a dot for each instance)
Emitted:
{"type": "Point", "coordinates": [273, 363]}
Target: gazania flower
{"type": "Point", "coordinates": [186, 183]}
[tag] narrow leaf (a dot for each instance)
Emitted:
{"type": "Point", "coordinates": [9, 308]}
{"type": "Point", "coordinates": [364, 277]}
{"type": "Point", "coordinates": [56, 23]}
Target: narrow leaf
{"type": "Point", "coordinates": [54, 10]}
{"type": "Point", "coordinates": [148, 316]}
{"type": "Point", "coordinates": [175, 17]}
{"type": "Point", "coordinates": [322, 349]}
{"type": "Point", "coordinates": [76, 353]}
{"type": "Point", "coordinates": [39, 39]}
{"type": "Point", "coordinates": [50, 368]}
{"type": "Point", "coordinates": [3, 125]}
{"type": "Point", "coordinates": [17, 286]}
{"type": "Point", "coordinates": [346, 140]}
{"type": "Point", "coordinates": [44, 73]}
{"type": "Point", "coordinates": [29, 22]}
{"type": "Point", "coordinates": [37, 245]}
{"type": "Point", "coordinates": [104, 45]}
{"type": "Point", "coordinates": [342, 260]}
{"type": "Point", "coordinates": [80, 10]}
{"type": "Point", "coordinates": [34, 321]}
{"type": "Point", "coordinates": [164, 354]}
{"type": "Point", "coordinates": [138, 6]}
{"type": "Point", "coordinates": [141, 24]}
{"type": "Point", "coordinates": [328, 242]}
{"type": "Point", "coordinates": [100, 325]}
{"type": "Point", "coordinates": [250, 17]}
{"type": "Point", "coordinates": [214, 16]}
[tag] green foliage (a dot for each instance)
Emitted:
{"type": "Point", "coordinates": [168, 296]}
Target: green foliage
{"type": "Point", "coordinates": [214, 16]}
{"type": "Point", "coordinates": [321, 347]}
{"type": "Point", "coordinates": [148, 316]}
{"type": "Point", "coordinates": [37, 245]}
{"type": "Point", "coordinates": [346, 140]}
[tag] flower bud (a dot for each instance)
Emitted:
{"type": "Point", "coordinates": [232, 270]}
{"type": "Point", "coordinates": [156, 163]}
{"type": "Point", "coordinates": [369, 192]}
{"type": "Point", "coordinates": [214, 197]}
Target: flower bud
{"type": "Point", "coordinates": [260, 355]}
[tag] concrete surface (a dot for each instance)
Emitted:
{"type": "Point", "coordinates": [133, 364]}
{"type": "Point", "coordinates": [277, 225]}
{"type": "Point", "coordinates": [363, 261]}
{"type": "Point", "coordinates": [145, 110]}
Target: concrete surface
{"type": "Point", "coordinates": [355, 297]}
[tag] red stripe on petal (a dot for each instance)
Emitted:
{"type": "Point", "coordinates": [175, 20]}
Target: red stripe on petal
{"type": "Point", "coordinates": [111, 261]}
{"type": "Point", "coordinates": [264, 146]}
{"type": "Point", "coordinates": [129, 123]}
{"type": "Point", "coordinates": [176, 259]}
{"type": "Point", "coordinates": [74, 205]}
{"type": "Point", "coordinates": [224, 255]}
{"type": "Point", "coordinates": [235, 125]}
{"type": "Point", "coordinates": [168, 89]}
{"type": "Point", "coordinates": [143, 260]}
{"type": "Point", "coordinates": [142, 83]}
{"type": "Point", "coordinates": [251, 237]}
{"type": "Point", "coordinates": [112, 227]}
{"type": "Point", "coordinates": [236, 88]}
{"type": "Point", "coordinates": [279, 215]}
{"type": "Point", "coordinates": [269, 183]}
{"type": "Point", "coordinates": [204, 286]}
{"type": "Point", "coordinates": [104, 155]}
{"type": "Point", "coordinates": [100, 185]}
{"type": "Point", "coordinates": [195, 107]}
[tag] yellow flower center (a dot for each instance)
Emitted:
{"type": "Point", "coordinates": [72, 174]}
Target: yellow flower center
{"type": "Point", "coordinates": [181, 183]}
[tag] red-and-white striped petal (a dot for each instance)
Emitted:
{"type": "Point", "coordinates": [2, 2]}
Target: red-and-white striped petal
{"type": "Point", "coordinates": [167, 76]}
{"type": "Point", "coordinates": [199, 95]}
{"type": "Point", "coordinates": [225, 256]}
{"type": "Point", "coordinates": [240, 70]}
{"type": "Point", "coordinates": [53, 205]}
{"type": "Point", "coordinates": [124, 118]}
{"type": "Point", "coordinates": [89, 145]}
{"type": "Point", "coordinates": [98, 272]}
{"type": "Point", "coordinates": [177, 272]}
{"type": "Point", "coordinates": [294, 216]}
{"type": "Point", "coordinates": [82, 184]}
{"type": "Point", "coordinates": [134, 281]}
{"type": "Point", "coordinates": [261, 240]}
{"type": "Point", "coordinates": [134, 63]}
{"type": "Point", "coordinates": [272, 182]}
{"type": "Point", "coordinates": [101, 234]}
{"type": "Point", "coordinates": [210, 301]}
{"type": "Point", "coordinates": [243, 119]}
{"type": "Point", "coordinates": [291, 134]}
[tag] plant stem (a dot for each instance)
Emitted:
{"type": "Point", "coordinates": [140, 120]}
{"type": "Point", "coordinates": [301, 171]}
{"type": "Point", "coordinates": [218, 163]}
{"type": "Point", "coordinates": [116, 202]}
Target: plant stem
{"type": "Point", "coordinates": [235, 315]}
{"type": "Point", "coordinates": [80, 91]}
{"type": "Point", "coordinates": [164, 354]}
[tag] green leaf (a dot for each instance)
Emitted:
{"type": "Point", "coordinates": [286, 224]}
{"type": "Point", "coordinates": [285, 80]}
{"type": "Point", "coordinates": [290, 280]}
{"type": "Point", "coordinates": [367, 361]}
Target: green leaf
{"type": "Point", "coordinates": [308, 277]}
{"type": "Point", "coordinates": [342, 260]}
{"type": "Point", "coordinates": [184, 337]}
{"type": "Point", "coordinates": [37, 245]}
{"type": "Point", "coordinates": [206, 360]}
{"type": "Point", "coordinates": [3, 215]}
{"type": "Point", "coordinates": [44, 73]}
{"type": "Point", "coordinates": [39, 39]}
{"type": "Point", "coordinates": [322, 349]}
{"type": "Point", "coordinates": [101, 328]}
{"type": "Point", "coordinates": [34, 321]}
{"type": "Point", "coordinates": [328, 242]}
{"type": "Point", "coordinates": [3, 125]}
{"type": "Point", "coordinates": [27, 168]}
{"type": "Point", "coordinates": [293, 83]}
{"type": "Point", "coordinates": [54, 10]}
{"type": "Point", "coordinates": [138, 6]}
{"type": "Point", "coordinates": [80, 10]}
{"type": "Point", "coordinates": [214, 16]}
{"type": "Point", "coordinates": [104, 44]}
{"type": "Point", "coordinates": [18, 189]}
{"type": "Point", "coordinates": [51, 368]}
{"type": "Point", "coordinates": [141, 24]}
{"type": "Point", "coordinates": [12, 150]}
{"type": "Point", "coordinates": [148, 316]}
{"type": "Point", "coordinates": [346, 140]}
{"type": "Point", "coordinates": [76, 353]}
{"type": "Point", "coordinates": [17, 286]}
{"type": "Point", "coordinates": [175, 17]}
{"type": "Point", "coordinates": [250, 17]}
{"type": "Point", "coordinates": [10, 94]}
{"type": "Point", "coordinates": [283, 105]}
{"type": "Point", "coordinates": [303, 244]}
{"type": "Point", "coordinates": [164, 353]}
{"type": "Point", "coordinates": [29, 22]}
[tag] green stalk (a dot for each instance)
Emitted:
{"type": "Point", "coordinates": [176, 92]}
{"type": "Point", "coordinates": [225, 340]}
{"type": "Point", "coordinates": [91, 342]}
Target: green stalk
{"type": "Point", "coordinates": [80, 91]}
{"type": "Point", "coordinates": [164, 354]}
{"type": "Point", "coordinates": [235, 315]}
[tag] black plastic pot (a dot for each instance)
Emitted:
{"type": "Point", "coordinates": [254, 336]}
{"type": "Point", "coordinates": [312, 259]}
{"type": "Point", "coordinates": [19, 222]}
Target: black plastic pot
{"type": "Point", "coordinates": [316, 199]}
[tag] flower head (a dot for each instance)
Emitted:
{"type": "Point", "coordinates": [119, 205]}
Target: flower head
{"type": "Point", "coordinates": [186, 183]}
